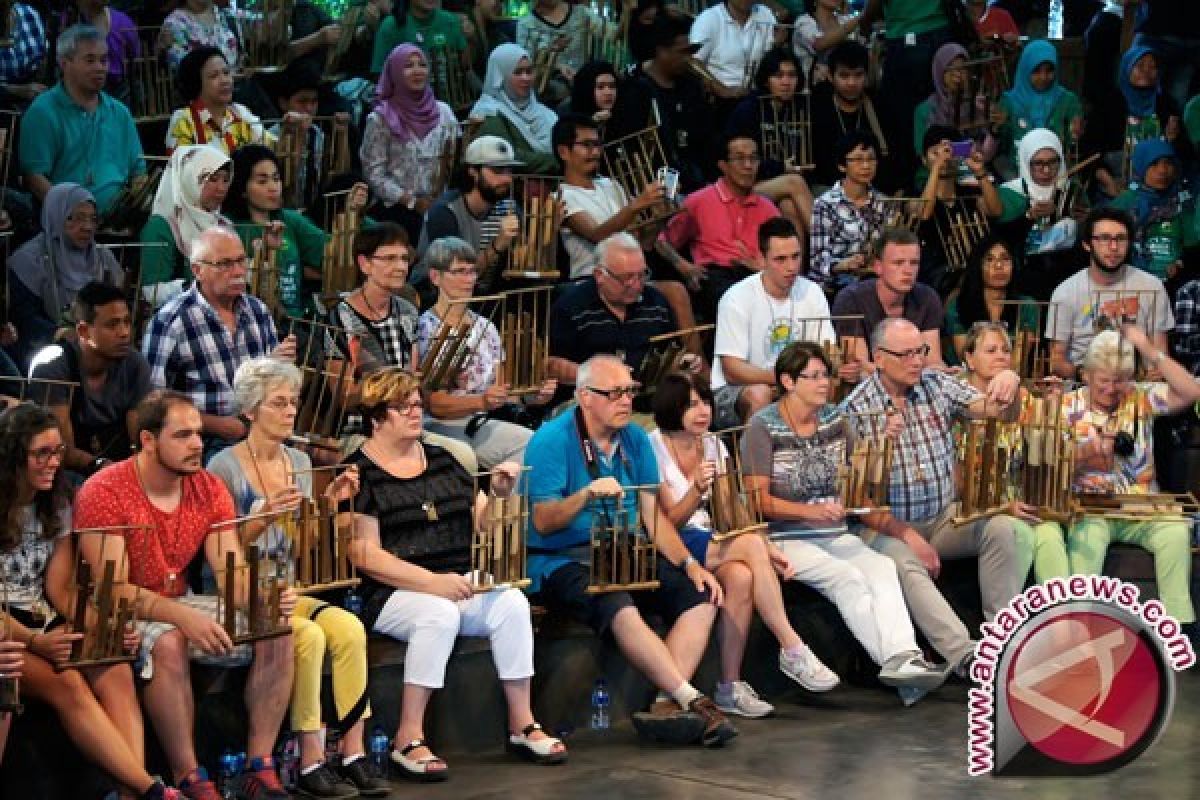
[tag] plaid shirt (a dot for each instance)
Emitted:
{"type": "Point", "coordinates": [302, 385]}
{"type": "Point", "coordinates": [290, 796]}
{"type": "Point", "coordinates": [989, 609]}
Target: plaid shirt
{"type": "Point", "coordinates": [191, 350]}
{"type": "Point", "coordinates": [1187, 325]}
{"type": "Point", "coordinates": [924, 460]}
{"type": "Point", "coordinates": [841, 229]}
{"type": "Point", "coordinates": [19, 62]}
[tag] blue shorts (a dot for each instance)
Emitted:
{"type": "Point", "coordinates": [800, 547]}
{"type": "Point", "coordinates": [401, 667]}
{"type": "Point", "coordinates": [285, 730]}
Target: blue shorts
{"type": "Point", "coordinates": [696, 541]}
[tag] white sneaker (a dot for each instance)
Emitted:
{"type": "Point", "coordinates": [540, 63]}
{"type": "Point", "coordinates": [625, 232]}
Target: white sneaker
{"type": "Point", "coordinates": [741, 699]}
{"type": "Point", "coordinates": [912, 670]}
{"type": "Point", "coordinates": [808, 671]}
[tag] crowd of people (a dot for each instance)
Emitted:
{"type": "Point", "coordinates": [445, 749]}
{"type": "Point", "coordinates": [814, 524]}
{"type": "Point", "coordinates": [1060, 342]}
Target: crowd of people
{"type": "Point", "coordinates": [847, 228]}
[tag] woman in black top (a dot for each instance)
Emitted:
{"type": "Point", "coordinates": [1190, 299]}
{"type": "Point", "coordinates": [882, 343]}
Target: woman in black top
{"type": "Point", "coordinates": [413, 548]}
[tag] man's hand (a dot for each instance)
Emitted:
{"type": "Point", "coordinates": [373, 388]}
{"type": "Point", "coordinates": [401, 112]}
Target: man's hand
{"type": "Point", "coordinates": [510, 226]}
{"type": "Point", "coordinates": [286, 350]}
{"type": "Point", "coordinates": [692, 275]}
{"type": "Point", "coordinates": [504, 478]}
{"type": "Point", "coordinates": [450, 586]}
{"type": "Point", "coordinates": [55, 645]}
{"type": "Point", "coordinates": [204, 632]}
{"type": "Point", "coordinates": [605, 487]}
{"type": "Point", "coordinates": [854, 263]}
{"type": "Point", "coordinates": [650, 196]}
{"type": "Point", "coordinates": [297, 121]}
{"type": "Point", "coordinates": [545, 392]}
{"type": "Point", "coordinates": [495, 396]}
{"type": "Point", "coordinates": [330, 35]}
{"type": "Point", "coordinates": [131, 638]}
{"type": "Point", "coordinates": [703, 579]}
{"type": "Point", "coordinates": [924, 551]}
{"type": "Point", "coordinates": [829, 513]}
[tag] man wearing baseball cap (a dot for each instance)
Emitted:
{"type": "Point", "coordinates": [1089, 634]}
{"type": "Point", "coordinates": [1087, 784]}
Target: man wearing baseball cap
{"type": "Point", "coordinates": [478, 209]}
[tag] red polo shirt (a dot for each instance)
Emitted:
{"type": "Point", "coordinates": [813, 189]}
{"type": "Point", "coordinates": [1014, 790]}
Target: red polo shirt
{"type": "Point", "coordinates": [720, 227]}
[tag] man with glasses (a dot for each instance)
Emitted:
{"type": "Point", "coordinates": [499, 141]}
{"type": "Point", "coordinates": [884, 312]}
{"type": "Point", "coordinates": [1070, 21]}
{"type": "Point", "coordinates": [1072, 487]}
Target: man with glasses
{"type": "Point", "coordinates": [1106, 293]}
{"type": "Point", "coordinates": [922, 493]}
{"type": "Point", "coordinates": [479, 211]}
{"type": "Point", "coordinates": [591, 462]}
{"type": "Point", "coordinates": [719, 225]}
{"type": "Point", "coordinates": [596, 207]}
{"type": "Point", "coordinates": [196, 341]}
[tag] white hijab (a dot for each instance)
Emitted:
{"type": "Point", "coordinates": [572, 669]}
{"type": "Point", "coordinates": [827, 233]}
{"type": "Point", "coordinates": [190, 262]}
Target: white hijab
{"type": "Point", "coordinates": [1038, 139]}
{"type": "Point", "coordinates": [532, 119]}
{"type": "Point", "coordinates": [178, 197]}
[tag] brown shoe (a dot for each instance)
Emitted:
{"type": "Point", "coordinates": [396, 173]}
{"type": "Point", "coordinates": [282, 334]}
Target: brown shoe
{"type": "Point", "coordinates": [717, 729]}
{"type": "Point", "coordinates": [665, 721]}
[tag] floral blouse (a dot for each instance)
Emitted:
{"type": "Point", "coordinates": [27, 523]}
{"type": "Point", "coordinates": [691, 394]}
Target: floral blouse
{"type": "Point", "coordinates": [1134, 416]}
{"type": "Point", "coordinates": [188, 32]}
{"type": "Point", "coordinates": [483, 365]}
{"type": "Point", "coordinates": [394, 168]}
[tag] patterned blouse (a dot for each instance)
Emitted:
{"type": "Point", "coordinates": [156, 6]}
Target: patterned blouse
{"type": "Point", "coordinates": [480, 371]}
{"type": "Point", "coordinates": [394, 168]}
{"type": "Point", "coordinates": [187, 32]}
{"type": "Point", "coordinates": [23, 569]}
{"type": "Point", "coordinates": [195, 124]}
{"type": "Point", "coordinates": [1134, 416]}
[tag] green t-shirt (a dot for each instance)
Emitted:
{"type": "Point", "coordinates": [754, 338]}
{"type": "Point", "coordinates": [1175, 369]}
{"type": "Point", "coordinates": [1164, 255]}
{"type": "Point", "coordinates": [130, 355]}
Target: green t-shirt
{"type": "Point", "coordinates": [161, 259]}
{"type": "Point", "coordinates": [1162, 243]}
{"type": "Point", "coordinates": [303, 246]}
{"type": "Point", "coordinates": [913, 16]}
{"type": "Point", "coordinates": [1066, 109]}
{"type": "Point", "coordinates": [419, 32]}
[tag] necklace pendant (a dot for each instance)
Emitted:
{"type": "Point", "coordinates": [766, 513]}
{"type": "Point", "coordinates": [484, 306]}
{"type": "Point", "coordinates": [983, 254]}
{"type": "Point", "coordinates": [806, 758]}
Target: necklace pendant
{"type": "Point", "coordinates": [431, 512]}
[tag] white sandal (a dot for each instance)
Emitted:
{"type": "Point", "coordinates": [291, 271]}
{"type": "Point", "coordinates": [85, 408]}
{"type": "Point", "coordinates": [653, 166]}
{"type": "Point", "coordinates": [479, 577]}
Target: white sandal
{"type": "Point", "coordinates": [539, 751]}
{"type": "Point", "coordinates": [417, 769]}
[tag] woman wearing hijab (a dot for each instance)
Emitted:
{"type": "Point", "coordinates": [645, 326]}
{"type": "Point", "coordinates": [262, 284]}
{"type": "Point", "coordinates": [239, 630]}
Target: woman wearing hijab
{"type": "Point", "coordinates": [1038, 100]}
{"type": "Point", "coordinates": [949, 105]}
{"type": "Point", "coordinates": [50, 268]}
{"type": "Point", "coordinates": [405, 137]}
{"type": "Point", "coordinates": [188, 201]}
{"type": "Point", "coordinates": [510, 109]}
{"type": "Point", "coordinates": [1164, 224]}
{"type": "Point", "coordinates": [1041, 209]}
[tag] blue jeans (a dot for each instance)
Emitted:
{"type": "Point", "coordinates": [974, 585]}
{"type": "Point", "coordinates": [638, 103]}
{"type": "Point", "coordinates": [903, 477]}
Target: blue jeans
{"type": "Point", "coordinates": [1178, 62]}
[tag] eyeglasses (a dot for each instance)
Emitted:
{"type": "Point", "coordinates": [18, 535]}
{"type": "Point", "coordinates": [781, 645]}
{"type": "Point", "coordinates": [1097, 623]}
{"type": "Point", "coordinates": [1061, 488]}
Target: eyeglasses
{"type": "Point", "coordinates": [819, 375]}
{"type": "Point", "coordinates": [589, 144]}
{"type": "Point", "coordinates": [617, 392]}
{"type": "Point", "coordinates": [282, 403]}
{"type": "Point", "coordinates": [1110, 239]}
{"type": "Point", "coordinates": [407, 408]}
{"type": "Point", "coordinates": [390, 261]}
{"type": "Point", "coordinates": [1044, 163]}
{"type": "Point", "coordinates": [627, 280]}
{"type": "Point", "coordinates": [904, 355]}
{"type": "Point", "coordinates": [224, 264]}
{"type": "Point", "coordinates": [463, 272]}
{"type": "Point", "coordinates": [42, 455]}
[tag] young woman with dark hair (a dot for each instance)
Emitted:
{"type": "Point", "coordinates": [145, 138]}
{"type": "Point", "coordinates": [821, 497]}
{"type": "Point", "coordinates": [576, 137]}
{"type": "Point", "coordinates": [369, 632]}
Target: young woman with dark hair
{"type": "Point", "coordinates": [987, 294]}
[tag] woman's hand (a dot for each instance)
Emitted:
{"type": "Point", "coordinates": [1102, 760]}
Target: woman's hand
{"type": "Point", "coordinates": [830, 513]}
{"type": "Point", "coordinates": [703, 579]}
{"type": "Point", "coordinates": [504, 478]}
{"type": "Point", "coordinates": [285, 500]}
{"type": "Point", "coordinates": [706, 473]}
{"type": "Point", "coordinates": [545, 393]}
{"type": "Point", "coordinates": [345, 485]}
{"type": "Point", "coordinates": [1024, 512]}
{"type": "Point", "coordinates": [450, 586]}
{"type": "Point", "coordinates": [55, 645]}
{"type": "Point", "coordinates": [287, 603]}
{"type": "Point", "coordinates": [12, 658]}
{"type": "Point", "coordinates": [358, 198]}
{"type": "Point", "coordinates": [495, 396]}
{"type": "Point", "coordinates": [780, 562]}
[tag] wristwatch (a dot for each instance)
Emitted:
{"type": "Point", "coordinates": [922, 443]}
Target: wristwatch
{"type": "Point", "coordinates": [687, 562]}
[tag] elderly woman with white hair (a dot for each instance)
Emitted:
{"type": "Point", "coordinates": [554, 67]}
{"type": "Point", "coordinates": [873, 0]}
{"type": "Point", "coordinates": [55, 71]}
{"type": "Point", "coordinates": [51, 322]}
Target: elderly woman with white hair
{"type": "Point", "coordinates": [1111, 417]}
{"type": "Point", "coordinates": [468, 412]}
{"type": "Point", "coordinates": [265, 475]}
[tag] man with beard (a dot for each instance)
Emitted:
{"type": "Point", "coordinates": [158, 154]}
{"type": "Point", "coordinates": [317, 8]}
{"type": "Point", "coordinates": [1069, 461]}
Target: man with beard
{"type": "Point", "coordinates": [196, 341]}
{"type": "Point", "coordinates": [842, 105]}
{"type": "Point", "coordinates": [480, 212]}
{"type": "Point", "coordinates": [594, 462]}
{"type": "Point", "coordinates": [169, 503]}
{"type": "Point", "coordinates": [1106, 293]}
{"type": "Point", "coordinates": [96, 419]}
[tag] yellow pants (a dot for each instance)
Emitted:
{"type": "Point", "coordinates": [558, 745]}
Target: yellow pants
{"type": "Point", "coordinates": [317, 626]}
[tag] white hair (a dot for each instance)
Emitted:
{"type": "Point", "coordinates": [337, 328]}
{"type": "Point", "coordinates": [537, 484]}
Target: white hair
{"type": "Point", "coordinates": [258, 376]}
{"type": "Point", "coordinates": [1110, 353]}
{"type": "Point", "coordinates": [583, 376]}
{"type": "Point", "coordinates": [618, 241]}
{"type": "Point", "coordinates": [201, 246]}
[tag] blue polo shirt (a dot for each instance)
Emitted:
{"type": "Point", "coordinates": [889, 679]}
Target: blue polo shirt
{"type": "Point", "coordinates": [558, 470]}
{"type": "Point", "coordinates": [99, 150]}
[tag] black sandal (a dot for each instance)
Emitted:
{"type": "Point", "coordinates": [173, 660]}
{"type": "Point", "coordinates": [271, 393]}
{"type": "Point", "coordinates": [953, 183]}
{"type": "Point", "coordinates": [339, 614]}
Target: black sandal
{"type": "Point", "coordinates": [418, 769]}
{"type": "Point", "coordinates": [539, 751]}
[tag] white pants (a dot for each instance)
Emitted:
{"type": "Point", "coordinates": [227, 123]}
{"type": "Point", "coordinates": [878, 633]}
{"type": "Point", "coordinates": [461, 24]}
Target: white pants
{"type": "Point", "coordinates": [430, 624]}
{"type": "Point", "coordinates": [496, 442]}
{"type": "Point", "coordinates": [864, 587]}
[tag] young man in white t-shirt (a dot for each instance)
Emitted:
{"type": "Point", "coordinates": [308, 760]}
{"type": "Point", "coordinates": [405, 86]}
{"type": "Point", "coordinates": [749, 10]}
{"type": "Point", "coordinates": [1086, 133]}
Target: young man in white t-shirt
{"type": "Point", "coordinates": [596, 207]}
{"type": "Point", "coordinates": [758, 317]}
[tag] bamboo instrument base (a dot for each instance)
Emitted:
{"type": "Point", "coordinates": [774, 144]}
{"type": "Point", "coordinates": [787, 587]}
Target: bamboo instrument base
{"type": "Point", "coordinates": [83, 663]}
{"type": "Point", "coordinates": [274, 633]}
{"type": "Point", "coordinates": [493, 587]}
{"type": "Point", "coordinates": [623, 587]}
{"type": "Point", "coordinates": [318, 588]}
{"type": "Point", "coordinates": [757, 528]}
{"type": "Point", "coordinates": [978, 515]}
{"type": "Point", "coordinates": [533, 275]}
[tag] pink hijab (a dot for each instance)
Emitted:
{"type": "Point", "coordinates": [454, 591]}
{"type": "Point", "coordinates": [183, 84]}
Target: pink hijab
{"type": "Point", "coordinates": [409, 115]}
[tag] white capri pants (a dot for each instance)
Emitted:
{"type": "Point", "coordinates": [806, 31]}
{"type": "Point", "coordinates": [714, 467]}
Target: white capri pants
{"type": "Point", "coordinates": [862, 584]}
{"type": "Point", "coordinates": [430, 624]}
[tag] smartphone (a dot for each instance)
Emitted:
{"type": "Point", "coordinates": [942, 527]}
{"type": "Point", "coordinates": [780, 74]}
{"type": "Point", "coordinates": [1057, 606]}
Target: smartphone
{"type": "Point", "coordinates": [962, 149]}
{"type": "Point", "coordinates": [669, 178]}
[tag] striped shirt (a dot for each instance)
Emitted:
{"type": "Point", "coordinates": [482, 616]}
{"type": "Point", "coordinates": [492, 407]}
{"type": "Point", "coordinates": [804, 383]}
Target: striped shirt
{"type": "Point", "coordinates": [20, 61]}
{"type": "Point", "coordinates": [581, 325]}
{"type": "Point", "coordinates": [924, 460]}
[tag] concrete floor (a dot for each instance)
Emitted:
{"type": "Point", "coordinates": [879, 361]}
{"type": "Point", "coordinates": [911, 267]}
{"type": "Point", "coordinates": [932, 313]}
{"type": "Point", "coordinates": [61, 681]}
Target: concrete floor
{"type": "Point", "coordinates": [853, 744]}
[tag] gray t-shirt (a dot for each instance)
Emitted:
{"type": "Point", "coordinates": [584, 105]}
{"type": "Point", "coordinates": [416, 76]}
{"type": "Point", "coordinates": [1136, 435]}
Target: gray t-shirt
{"type": "Point", "coordinates": [1078, 301]}
{"type": "Point", "coordinates": [802, 469]}
{"type": "Point", "coordinates": [97, 415]}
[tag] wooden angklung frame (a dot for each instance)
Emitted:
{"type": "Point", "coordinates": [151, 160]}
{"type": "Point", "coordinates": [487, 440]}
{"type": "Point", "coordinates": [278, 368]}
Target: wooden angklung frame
{"type": "Point", "coordinates": [1030, 353]}
{"type": "Point", "coordinates": [453, 346]}
{"type": "Point", "coordinates": [633, 161]}
{"type": "Point", "coordinates": [9, 123]}
{"type": "Point", "coordinates": [865, 478]}
{"type": "Point", "coordinates": [448, 77]}
{"type": "Point", "coordinates": [264, 31]}
{"type": "Point", "coordinates": [327, 367]}
{"type": "Point", "coordinates": [534, 253]}
{"type": "Point", "coordinates": [607, 37]}
{"type": "Point", "coordinates": [132, 207]}
{"type": "Point", "coordinates": [1048, 464]}
{"type": "Point", "coordinates": [319, 538]}
{"type": "Point", "coordinates": [44, 392]}
{"type": "Point", "coordinates": [352, 17]}
{"type": "Point", "coordinates": [735, 510]}
{"type": "Point", "coordinates": [985, 463]}
{"type": "Point", "coordinates": [1138, 507]}
{"type": "Point", "coordinates": [262, 274]}
{"type": "Point", "coordinates": [666, 353]}
{"type": "Point", "coordinates": [151, 95]}
{"type": "Point", "coordinates": [339, 268]}
{"type": "Point", "coordinates": [964, 227]}
{"type": "Point", "coordinates": [786, 130]}
{"type": "Point", "coordinates": [902, 212]}
{"type": "Point", "coordinates": [102, 608]}
{"type": "Point", "coordinates": [142, 300]}
{"type": "Point", "coordinates": [498, 551]}
{"type": "Point", "coordinates": [525, 337]}
{"type": "Point", "coordinates": [249, 591]}
{"type": "Point", "coordinates": [623, 555]}
{"type": "Point", "coordinates": [985, 79]}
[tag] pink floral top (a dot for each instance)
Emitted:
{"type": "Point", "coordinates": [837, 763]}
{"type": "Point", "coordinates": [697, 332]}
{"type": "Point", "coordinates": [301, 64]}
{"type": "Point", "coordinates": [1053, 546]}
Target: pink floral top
{"type": "Point", "coordinates": [188, 32]}
{"type": "Point", "coordinates": [1135, 416]}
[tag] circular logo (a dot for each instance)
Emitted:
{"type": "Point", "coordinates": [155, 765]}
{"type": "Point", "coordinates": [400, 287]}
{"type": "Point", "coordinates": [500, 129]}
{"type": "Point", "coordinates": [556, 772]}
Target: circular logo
{"type": "Point", "coordinates": [1084, 688]}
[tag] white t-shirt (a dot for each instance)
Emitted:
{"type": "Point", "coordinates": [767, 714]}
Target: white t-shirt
{"type": "Point", "coordinates": [1136, 293]}
{"type": "Point", "coordinates": [601, 204]}
{"type": "Point", "coordinates": [727, 48]}
{"type": "Point", "coordinates": [677, 483]}
{"type": "Point", "coordinates": [755, 327]}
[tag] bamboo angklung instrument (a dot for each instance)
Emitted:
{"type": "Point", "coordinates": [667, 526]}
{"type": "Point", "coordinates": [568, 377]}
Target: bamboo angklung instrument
{"type": "Point", "coordinates": [131, 208]}
{"type": "Point", "coordinates": [339, 269]}
{"type": "Point", "coordinates": [1030, 357]}
{"type": "Point", "coordinates": [337, 157]}
{"type": "Point", "coordinates": [984, 460]}
{"type": "Point", "coordinates": [44, 392]}
{"type": "Point", "coordinates": [319, 538]}
{"type": "Point", "coordinates": [264, 32]}
{"type": "Point", "coordinates": [534, 253]}
{"type": "Point", "coordinates": [735, 510]}
{"type": "Point", "coordinates": [10, 685]}
{"type": "Point", "coordinates": [633, 161]}
{"type": "Point", "coordinates": [665, 354]}
{"type": "Point", "coordinates": [254, 587]}
{"type": "Point", "coordinates": [351, 19]}
{"type": "Point", "coordinates": [456, 341]}
{"type": "Point", "coordinates": [1048, 467]}
{"type": "Point", "coordinates": [327, 371]}
{"type": "Point", "coordinates": [865, 478]}
{"type": "Point", "coordinates": [290, 149]}
{"type": "Point", "coordinates": [111, 613]}
{"type": "Point", "coordinates": [606, 38]}
{"type": "Point", "coordinates": [962, 230]}
{"type": "Point", "coordinates": [448, 77]}
{"type": "Point", "coordinates": [498, 555]}
{"type": "Point", "coordinates": [262, 279]}
{"type": "Point", "coordinates": [787, 131]}
{"type": "Point", "coordinates": [623, 555]}
{"type": "Point", "coordinates": [981, 88]}
{"type": "Point", "coordinates": [525, 338]}
{"type": "Point", "coordinates": [151, 96]}
{"type": "Point", "coordinates": [902, 212]}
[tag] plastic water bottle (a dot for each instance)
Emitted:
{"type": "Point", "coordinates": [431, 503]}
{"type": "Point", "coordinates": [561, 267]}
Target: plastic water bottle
{"type": "Point", "coordinates": [354, 602]}
{"type": "Point", "coordinates": [239, 762]}
{"type": "Point", "coordinates": [290, 763]}
{"type": "Point", "coordinates": [600, 720]}
{"type": "Point", "coordinates": [379, 752]}
{"type": "Point", "coordinates": [227, 774]}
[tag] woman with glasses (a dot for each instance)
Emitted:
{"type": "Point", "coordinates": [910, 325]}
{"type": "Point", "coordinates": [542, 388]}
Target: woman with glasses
{"type": "Point", "coordinates": [1111, 418]}
{"type": "Point", "coordinates": [265, 475]}
{"type": "Point", "coordinates": [986, 352]}
{"type": "Point", "coordinates": [747, 566]}
{"type": "Point", "coordinates": [51, 267]}
{"type": "Point", "coordinates": [414, 523]}
{"type": "Point", "coordinates": [510, 109]}
{"type": "Point", "coordinates": [406, 137]}
{"type": "Point", "coordinates": [987, 294]}
{"type": "Point", "coordinates": [847, 217]}
{"type": "Point", "coordinates": [187, 203]}
{"type": "Point", "coordinates": [465, 410]}
{"type": "Point", "coordinates": [97, 706]}
{"type": "Point", "coordinates": [792, 454]}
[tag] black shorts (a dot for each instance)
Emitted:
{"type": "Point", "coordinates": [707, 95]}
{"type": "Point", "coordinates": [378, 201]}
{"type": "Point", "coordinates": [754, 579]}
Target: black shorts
{"type": "Point", "coordinates": [565, 591]}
